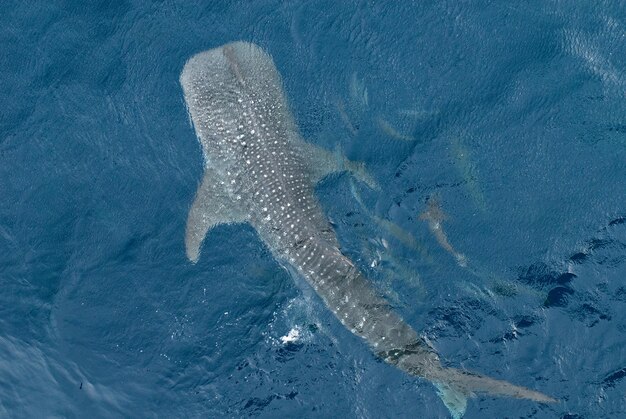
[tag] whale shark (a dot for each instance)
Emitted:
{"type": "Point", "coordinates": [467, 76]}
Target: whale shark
{"type": "Point", "coordinates": [259, 170]}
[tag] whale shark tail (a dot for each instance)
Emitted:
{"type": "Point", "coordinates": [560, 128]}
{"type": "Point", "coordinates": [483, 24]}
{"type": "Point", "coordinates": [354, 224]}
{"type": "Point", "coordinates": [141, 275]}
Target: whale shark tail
{"type": "Point", "coordinates": [455, 386]}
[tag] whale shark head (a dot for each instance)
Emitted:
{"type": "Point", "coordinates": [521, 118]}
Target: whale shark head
{"type": "Point", "coordinates": [236, 101]}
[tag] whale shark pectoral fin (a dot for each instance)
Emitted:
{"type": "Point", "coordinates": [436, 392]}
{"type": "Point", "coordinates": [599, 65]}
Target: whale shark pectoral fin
{"type": "Point", "coordinates": [211, 207]}
{"type": "Point", "coordinates": [326, 162]}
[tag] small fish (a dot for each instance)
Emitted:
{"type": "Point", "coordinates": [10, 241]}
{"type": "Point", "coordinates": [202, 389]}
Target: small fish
{"type": "Point", "coordinates": [468, 170]}
{"type": "Point", "coordinates": [345, 118]}
{"type": "Point", "coordinates": [358, 91]}
{"type": "Point", "coordinates": [388, 129]}
{"type": "Point", "coordinates": [392, 228]}
{"type": "Point", "coordinates": [434, 216]}
{"type": "Point", "coordinates": [417, 113]}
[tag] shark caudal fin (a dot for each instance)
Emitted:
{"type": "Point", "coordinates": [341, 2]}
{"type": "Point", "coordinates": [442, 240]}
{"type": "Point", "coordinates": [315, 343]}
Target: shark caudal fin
{"type": "Point", "coordinates": [455, 401]}
{"type": "Point", "coordinates": [456, 386]}
{"type": "Point", "coordinates": [453, 385]}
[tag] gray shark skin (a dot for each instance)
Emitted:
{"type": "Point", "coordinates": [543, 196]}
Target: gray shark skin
{"type": "Point", "coordinates": [258, 170]}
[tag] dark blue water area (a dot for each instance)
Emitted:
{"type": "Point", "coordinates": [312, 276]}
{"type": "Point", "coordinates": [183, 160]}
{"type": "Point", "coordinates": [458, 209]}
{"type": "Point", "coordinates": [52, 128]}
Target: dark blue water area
{"type": "Point", "coordinates": [511, 117]}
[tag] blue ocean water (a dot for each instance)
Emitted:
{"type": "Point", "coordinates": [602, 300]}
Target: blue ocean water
{"type": "Point", "coordinates": [512, 117]}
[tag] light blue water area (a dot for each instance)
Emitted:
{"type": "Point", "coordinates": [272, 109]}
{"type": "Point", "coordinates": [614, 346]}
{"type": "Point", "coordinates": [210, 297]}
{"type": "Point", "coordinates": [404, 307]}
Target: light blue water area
{"type": "Point", "coordinates": [512, 116]}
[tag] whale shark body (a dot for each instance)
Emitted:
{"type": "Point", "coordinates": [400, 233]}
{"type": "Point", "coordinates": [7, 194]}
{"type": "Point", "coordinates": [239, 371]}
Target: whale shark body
{"type": "Point", "coordinates": [258, 170]}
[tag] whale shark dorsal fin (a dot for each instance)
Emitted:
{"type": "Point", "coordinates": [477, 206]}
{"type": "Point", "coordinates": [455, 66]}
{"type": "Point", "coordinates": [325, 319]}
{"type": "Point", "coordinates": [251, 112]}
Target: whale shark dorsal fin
{"type": "Point", "coordinates": [211, 207]}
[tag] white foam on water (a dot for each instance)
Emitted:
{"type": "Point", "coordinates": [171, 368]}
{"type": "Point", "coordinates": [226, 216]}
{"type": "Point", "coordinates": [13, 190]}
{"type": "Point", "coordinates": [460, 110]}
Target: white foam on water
{"type": "Point", "coordinates": [292, 336]}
